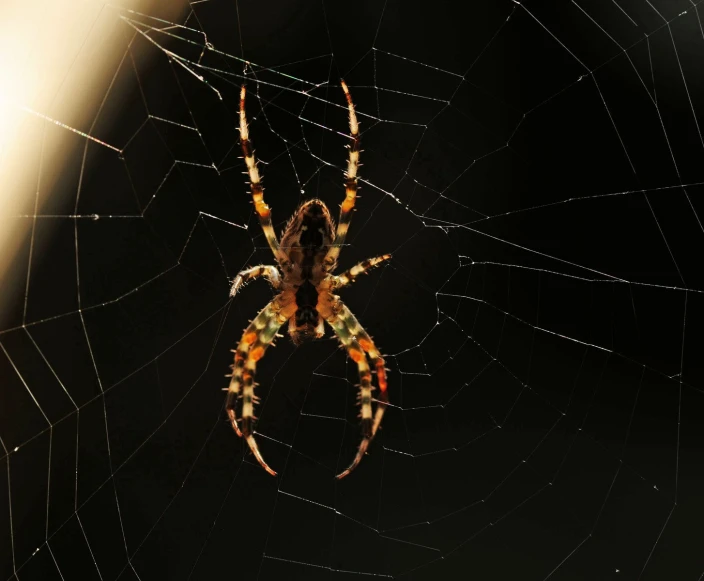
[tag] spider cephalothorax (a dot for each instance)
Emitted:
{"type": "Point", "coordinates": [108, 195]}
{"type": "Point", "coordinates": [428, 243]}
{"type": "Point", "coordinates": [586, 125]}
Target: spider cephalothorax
{"type": "Point", "coordinates": [306, 256]}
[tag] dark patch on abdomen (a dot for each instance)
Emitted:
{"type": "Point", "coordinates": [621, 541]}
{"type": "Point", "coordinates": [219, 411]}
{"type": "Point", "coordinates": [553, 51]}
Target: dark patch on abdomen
{"type": "Point", "coordinates": [306, 299]}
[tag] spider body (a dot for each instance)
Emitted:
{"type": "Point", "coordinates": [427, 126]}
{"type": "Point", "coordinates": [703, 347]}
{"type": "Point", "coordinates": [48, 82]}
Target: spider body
{"type": "Point", "coordinates": [306, 240]}
{"type": "Point", "coordinates": [306, 257]}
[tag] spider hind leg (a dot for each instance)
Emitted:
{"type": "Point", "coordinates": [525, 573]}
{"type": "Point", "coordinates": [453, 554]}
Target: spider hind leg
{"type": "Point", "coordinates": [256, 338]}
{"type": "Point", "coordinates": [359, 344]}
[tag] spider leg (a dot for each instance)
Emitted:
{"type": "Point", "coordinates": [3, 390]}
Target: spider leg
{"type": "Point", "coordinates": [357, 342]}
{"type": "Point", "coordinates": [271, 273]}
{"type": "Point", "coordinates": [349, 276]}
{"type": "Point", "coordinates": [350, 186]}
{"type": "Point", "coordinates": [255, 340]}
{"type": "Point", "coordinates": [366, 343]}
{"type": "Point", "coordinates": [263, 211]}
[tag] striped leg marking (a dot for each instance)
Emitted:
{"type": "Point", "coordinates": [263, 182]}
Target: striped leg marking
{"type": "Point", "coordinates": [349, 276]}
{"type": "Point", "coordinates": [357, 342]}
{"type": "Point", "coordinates": [366, 343]}
{"type": "Point", "coordinates": [263, 211]}
{"type": "Point", "coordinates": [271, 273]}
{"type": "Point", "coordinates": [255, 340]}
{"type": "Point", "coordinates": [350, 185]}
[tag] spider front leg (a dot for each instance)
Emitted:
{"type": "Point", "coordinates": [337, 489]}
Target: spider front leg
{"type": "Point", "coordinates": [263, 211]}
{"type": "Point", "coordinates": [349, 276]}
{"type": "Point", "coordinates": [350, 186]}
{"type": "Point", "coordinates": [357, 342]}
{"type": "Point", "coordinates": [255, 340]}
{"type": "Point", "coordinates": [271, 273]}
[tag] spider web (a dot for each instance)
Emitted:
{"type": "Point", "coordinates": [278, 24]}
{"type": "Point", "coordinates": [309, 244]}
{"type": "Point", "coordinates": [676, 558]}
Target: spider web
{"type": "Point", "coordinates": [536, 171]}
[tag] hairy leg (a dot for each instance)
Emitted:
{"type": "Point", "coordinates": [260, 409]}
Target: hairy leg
{"type": "Point", "coordinates": [255, 340]}
{"type": "Point", "coordinates": [263, 211]}
{"type": "Point", "coordinates": [375, 358]}
{"type": "Point", "coordinates": [349, 276]}
{"type": "Point", "coordinates": [358, 343]}
{"type": "Point", "coordinates": [350, 186]}
{"type": "Point", "coordinates": [271, 273]}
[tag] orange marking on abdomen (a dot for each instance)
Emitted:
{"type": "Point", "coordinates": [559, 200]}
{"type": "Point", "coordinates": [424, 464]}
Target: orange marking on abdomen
{"type": "Point", "coordinates": [381, 375]}
{"type": "Point", "coordinates": [348, 204]}
{"type": "Point", "coordinates": [249, 338]}
{"type": "Point", "coordinates": [257, 353]}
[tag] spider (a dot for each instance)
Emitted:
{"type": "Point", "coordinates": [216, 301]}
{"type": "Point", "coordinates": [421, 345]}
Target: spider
{"type": "Point", "coordinates": [307, 256]}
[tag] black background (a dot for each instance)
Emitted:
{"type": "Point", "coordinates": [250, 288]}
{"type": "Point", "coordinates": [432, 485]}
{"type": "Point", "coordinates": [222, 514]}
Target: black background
{"type": "Point", "coordinates": [534, 170]}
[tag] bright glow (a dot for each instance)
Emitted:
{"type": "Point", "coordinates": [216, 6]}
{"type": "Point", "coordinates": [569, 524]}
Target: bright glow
{"type": "Point", "coordinates": [57, 58]}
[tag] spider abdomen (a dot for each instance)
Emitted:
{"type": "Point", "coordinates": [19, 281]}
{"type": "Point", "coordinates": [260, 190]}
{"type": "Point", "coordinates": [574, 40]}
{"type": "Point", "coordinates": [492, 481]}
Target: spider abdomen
{"type": "Point", "coordinates": [306, 299]}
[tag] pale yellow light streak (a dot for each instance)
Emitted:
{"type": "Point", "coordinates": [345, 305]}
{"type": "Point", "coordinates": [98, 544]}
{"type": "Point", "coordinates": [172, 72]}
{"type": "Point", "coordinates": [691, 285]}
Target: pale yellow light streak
{"type": "Point", "coordinates": [57, 61]}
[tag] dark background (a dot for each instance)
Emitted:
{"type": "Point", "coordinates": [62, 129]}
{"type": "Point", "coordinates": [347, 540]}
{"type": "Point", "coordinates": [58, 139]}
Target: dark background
{"type": "Point", "coordinates": [535, 170]}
